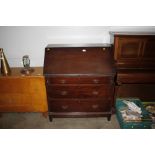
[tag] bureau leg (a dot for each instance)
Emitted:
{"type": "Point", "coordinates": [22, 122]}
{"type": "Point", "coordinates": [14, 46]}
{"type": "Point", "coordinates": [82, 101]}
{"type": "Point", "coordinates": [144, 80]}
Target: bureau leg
{"type": "Point", "coordinates": [45, 114]}
{"type": "Point", "coordinates": [50, 118]}
{"type": "Point", "coordinates": [109, 117]}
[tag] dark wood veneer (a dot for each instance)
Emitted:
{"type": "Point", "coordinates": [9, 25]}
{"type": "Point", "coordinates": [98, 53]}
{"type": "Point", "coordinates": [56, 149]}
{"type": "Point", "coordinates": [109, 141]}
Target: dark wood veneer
{"type": "Point", "coordinates": [80, 91]}
{"type": "Point", "coordinates": [132, 51]}
{"type": "Point", "coordinates": [135, 62]}
{"type": "Point", "coordinates": [73, 105]}
{"type": "Point", "coordinates": [79, 81]}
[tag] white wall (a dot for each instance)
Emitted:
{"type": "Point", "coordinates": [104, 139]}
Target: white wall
{"type": "Point", "coordinates": [19, 41]}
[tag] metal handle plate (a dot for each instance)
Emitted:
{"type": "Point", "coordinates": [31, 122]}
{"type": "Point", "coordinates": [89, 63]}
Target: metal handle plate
{"type": "Point", "coordinates": [64, 107]}
{"type": "Point", "coordinates": [63, 81]}
{"type": "Point", "coordinates": [95, 106]}
{"type": "Point", "coordinates": [96, 81]}
{"type": "Point", "coordinates": [95, 92]}
{"type": "Point", "coordinates": [64, 93]}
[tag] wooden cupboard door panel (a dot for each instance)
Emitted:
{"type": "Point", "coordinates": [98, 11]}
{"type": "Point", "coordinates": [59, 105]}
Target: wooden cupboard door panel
{"type": "Point", "coordinates": [20, 85]}
{"type": "Point", "coordinates": [23, 94]}
{"type": "Point", "coordinates": [128, 48]}
{"type": "Point", "coordinates": [135, 51]}
{"type": "Point", "coordinates": [14, 99]}
{"type": "Point", "coordinates": [20, 100]}
{"type": "Point", "coordinates": [149, 48]}
{"type": "Point", "coordinates": [24, 102]}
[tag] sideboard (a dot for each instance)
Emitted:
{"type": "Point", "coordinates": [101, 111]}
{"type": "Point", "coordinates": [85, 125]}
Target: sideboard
{"type": "Point", "coordinates": [134, 55]}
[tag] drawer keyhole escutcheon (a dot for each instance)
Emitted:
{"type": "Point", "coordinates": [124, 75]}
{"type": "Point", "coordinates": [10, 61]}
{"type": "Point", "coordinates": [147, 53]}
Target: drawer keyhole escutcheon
{"type": "Point", "coordinates": [95, 92]}
{"type": "Point", "coordinates": [63, 81]}
{"type": "Point", "coordinates": [96, 81]}
{"type": "Point", "coordinates": [64, 107]}
{"type": "Point", "coordinates": [95, 106]}
{"type": "Point", "coordinates": [64, 93]}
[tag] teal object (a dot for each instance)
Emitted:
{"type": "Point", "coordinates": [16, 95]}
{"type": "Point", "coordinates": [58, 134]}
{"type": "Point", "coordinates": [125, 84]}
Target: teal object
{"type": "Point", "coordinates": [147, 124]}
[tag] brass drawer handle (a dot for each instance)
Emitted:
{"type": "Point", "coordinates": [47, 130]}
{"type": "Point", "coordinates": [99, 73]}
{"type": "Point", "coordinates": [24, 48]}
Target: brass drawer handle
{"type": "Point", "coordinates": [64, 107]}
{"type": "Point", "coordinates": [64, 93]}
{"type": "Point", "coordinates": [96, 81]}
{"type": "Point", "coordinates": [48, 49]}
{"type": "Point", "coordinates": [63, 81]}
{"type": "Point", "coordinates": [95, 93]}
{"type": "Point", "coordinates": [95, 106]}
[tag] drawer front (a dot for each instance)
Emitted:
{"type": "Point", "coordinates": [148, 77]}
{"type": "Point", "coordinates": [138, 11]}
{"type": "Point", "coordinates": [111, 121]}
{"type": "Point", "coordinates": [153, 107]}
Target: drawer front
{"type": "Point", "coordinates": [96, 80]}
{"type": "Point", "coordinates": [79, 80]}
{"type": "Point", "coordinates": [75, 91]}
{"type": "Point", "coordinates": [94, 91]}
{"type": "Point", "coordinates": [62, 80]}
{"type": "Point", "coordinates": [136, 78]}
{"type": "Point", "coordinates": [73, 105]}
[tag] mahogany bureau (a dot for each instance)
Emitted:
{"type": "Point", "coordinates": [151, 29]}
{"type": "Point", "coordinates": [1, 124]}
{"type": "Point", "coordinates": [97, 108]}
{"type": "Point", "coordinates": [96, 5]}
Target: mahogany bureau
{"type": "Point", "coordinates": [79, 80]}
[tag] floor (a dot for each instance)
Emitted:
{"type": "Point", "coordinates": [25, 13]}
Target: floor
{"type": "Point", "coordinates": [37, 121]}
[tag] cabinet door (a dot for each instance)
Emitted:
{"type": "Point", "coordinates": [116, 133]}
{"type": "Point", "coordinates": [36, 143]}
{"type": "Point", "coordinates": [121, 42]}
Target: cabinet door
{"type": "Point", "coordinates": [128, 48]}
{"type": "Point", "coordinates": [23, 94]}
{"type": "Point", "coordinates": [149, 48]}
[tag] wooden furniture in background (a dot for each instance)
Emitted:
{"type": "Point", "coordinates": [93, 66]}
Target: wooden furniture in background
{"type": "Point", "coordinates": [20, 93]}
{"type": "Point", "coordinates": [79, 80]}
{"type": "Point", "coordinates": [134, 51]}
{"type": "Point", "coordinates": [135, 62]}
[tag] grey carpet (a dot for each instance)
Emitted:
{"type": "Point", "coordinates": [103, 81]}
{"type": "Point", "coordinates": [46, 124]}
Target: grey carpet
{"type": "Point", "coordinates": [37, 121]}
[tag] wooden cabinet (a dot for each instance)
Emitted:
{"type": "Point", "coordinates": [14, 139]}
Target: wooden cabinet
{"type": "Point", "coordinates": [79, 81]}
{"type": "Point", "coordinates": [23, 93]}
{"type": "Point", "coordinates": [135, 61]}
{"type": "Point", "coordinates": [133, 51]}
{"type": "Point", "coordinates": [149, 49]}
{"type": "Point", "coordinates": [128, 48]}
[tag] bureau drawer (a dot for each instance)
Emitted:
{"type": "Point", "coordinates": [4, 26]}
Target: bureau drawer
{"type": "Point", "coordinates": [74, 105]}
{"type": "Point", "coordinates": [82, 91]}
{"type": "Point", "coordinates": [79, 80]}
{"type": "Point", "coordinates": [62, 80]}
{"type": "Point", "coordinates": [96, 80]}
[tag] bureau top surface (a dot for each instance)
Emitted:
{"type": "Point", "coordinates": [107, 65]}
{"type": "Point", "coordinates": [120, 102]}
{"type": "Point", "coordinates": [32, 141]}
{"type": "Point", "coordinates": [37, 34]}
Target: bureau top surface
{"type": "Point", "coordinates": [77, 45]}
{"type": "Point", "coordinates": [77, 61]}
